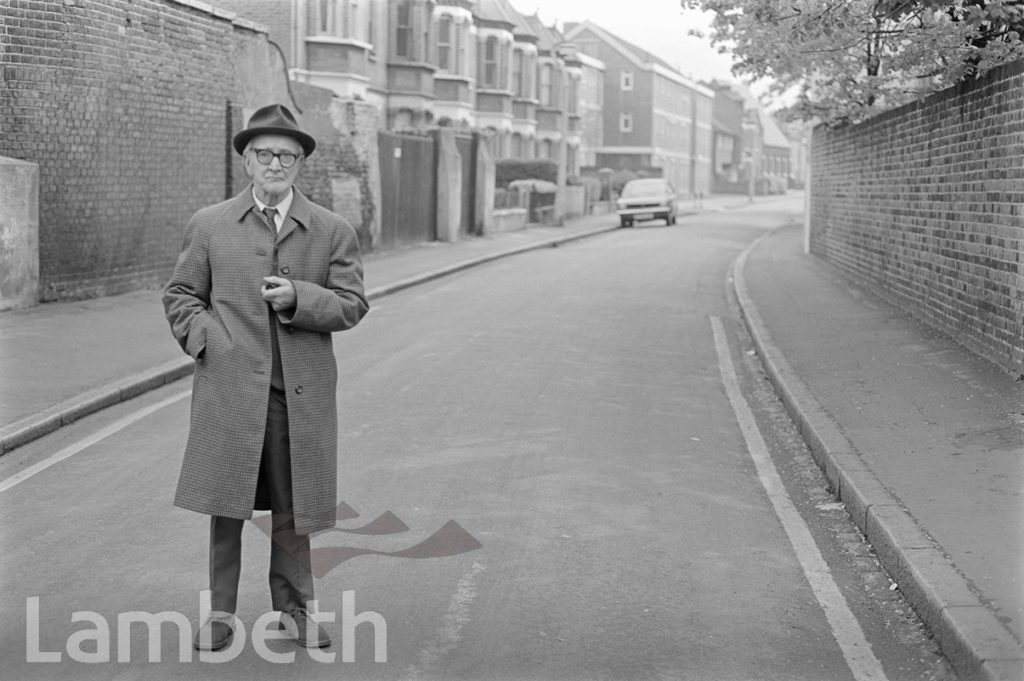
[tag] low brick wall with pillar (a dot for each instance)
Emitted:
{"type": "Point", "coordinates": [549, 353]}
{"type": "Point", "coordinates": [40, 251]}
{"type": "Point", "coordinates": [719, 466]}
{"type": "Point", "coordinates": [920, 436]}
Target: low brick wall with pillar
{"type": "Point", "coordinates": [925, 205]}
{"type": "Point", "coordinates": [485, 176]}
{"type": "Point", "coordinates": [449, 185]}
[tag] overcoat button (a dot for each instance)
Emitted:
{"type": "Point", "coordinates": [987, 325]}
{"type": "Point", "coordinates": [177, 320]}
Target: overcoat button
{"type": "Point", "coordinates": [285, 269]}
{"type": "Point", "coordinates": [298, 390]}
{"type": "Point", "coordinates": [289, 329]}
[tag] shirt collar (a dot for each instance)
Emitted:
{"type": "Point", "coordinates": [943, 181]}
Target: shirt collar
{"type": "Point", "coordinates": [300, 210]}
{"type": "Point", "coordinates": [282, 207]}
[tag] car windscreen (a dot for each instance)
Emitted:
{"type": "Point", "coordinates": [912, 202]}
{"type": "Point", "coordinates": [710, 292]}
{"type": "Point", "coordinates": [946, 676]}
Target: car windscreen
{"type": "Point", "coordinates": [644, 188]}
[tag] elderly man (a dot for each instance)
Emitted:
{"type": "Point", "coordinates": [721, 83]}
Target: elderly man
{"type": "Point", "coordinates": [262, 281]}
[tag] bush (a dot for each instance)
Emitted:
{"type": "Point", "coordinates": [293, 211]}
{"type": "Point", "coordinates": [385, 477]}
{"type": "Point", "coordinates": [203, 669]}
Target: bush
{"type": "Point", "coordinates": [510, 169]}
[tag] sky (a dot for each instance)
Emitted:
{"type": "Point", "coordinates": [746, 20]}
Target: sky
{"type": "Point", "coordinates": [659, 26]}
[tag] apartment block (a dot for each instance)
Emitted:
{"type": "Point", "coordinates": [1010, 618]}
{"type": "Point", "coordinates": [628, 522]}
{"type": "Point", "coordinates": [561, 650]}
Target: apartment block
{"type": "Point", "coordinates": [655, 120]}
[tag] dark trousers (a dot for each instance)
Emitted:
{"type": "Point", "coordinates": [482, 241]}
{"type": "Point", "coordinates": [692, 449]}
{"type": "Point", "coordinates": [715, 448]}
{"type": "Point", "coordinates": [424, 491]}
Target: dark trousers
{"type": "Point", "coordinates": [291, 584]}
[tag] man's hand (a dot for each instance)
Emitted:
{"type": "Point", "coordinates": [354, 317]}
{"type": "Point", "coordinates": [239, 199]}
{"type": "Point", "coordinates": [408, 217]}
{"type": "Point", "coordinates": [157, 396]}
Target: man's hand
{"type": "Point", "coordinates": [279, 293]}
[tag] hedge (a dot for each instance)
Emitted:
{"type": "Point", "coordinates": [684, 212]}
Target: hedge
{"type": "Point", "coordinates": [510, 169]}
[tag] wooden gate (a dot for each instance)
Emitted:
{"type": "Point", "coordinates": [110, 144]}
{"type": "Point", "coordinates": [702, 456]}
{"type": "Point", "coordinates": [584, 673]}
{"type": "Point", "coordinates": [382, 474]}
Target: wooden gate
{"type": "Point", "coordinates": [408, 189]}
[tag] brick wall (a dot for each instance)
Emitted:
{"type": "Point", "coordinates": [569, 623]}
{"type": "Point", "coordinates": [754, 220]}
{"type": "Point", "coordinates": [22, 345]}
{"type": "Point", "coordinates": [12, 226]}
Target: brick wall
{"type": "Point", "coordinates": [925, 204]}
{"type": "Point", "coordinates": [343, 173]}
{"type": "Point", "coordinates": [127, 109]}
{"type": "Point", "coordinates": [275, 15]}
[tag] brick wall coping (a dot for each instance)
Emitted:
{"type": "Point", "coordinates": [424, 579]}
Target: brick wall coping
{"type": "Point", "coordinates": [218, 13]}
{"type": "Point", "coordinates": [964, 87]}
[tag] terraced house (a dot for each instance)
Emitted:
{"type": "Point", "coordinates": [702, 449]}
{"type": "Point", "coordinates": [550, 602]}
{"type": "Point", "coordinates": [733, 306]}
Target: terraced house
{"type": "Point", "coordinates": [583, 97]}
{"type": "Point", "coordinates": [468, 64]}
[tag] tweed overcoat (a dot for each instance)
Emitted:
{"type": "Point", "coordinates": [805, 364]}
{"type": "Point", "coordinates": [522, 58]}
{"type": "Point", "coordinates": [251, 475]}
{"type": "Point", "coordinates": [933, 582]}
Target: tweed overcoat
{"type": "Point", "coordinates": [217, 315]}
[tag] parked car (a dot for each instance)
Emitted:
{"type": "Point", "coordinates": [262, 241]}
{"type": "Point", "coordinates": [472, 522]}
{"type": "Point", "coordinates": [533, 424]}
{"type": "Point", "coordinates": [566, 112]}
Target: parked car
{"type": "Point", "coordinates": [650, 198]}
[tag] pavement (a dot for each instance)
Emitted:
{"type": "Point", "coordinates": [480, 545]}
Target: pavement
{"type": "Point", "coordinates": [922, 441]}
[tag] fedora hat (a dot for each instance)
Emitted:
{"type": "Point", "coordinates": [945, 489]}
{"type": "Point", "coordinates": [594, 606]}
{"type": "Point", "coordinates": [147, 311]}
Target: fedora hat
{"type": "Point", "coordinates": [273, 120]}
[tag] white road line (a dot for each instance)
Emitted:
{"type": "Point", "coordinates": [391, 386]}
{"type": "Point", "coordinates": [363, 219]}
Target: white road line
{"type": "Point", "coordinates": [845, 628]}
{"type": "Point", "coordinates": [89, 441]}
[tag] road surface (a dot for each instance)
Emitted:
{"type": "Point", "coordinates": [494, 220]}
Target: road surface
{"type": "Point", "coordinates": [561, 465]}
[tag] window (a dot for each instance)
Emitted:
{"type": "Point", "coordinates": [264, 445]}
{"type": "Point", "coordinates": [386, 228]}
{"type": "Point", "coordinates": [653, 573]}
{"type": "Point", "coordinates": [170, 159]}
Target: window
{"type": "Point", "coordinates": [460, 48]}
{"type": "Point", "coordinates": [503, 70]}
{"type": "Point", "coordinates": [350, 17]}
{"type": "Point", "coordinates": [626, 122]}
{"type": "Point", "coordinates": [450, 44]}
{"type": "Point", "coordinates": [325, 17]}
{"type": "Point", "coordinates": [626, 80]}
{"type": "Point", "coordinates": [425, 23]}
{"type": "Point", "coordinates": [370, 36]}
{"type": "Point", "coordinates": [337, 18]}
{"type": "Point", "coordinates": [529, 75]}
{"type": "Point", "coordinates": [403, 29]}
{"type": "Point", "coordinates": [444, 44]}
{"type": "Point", "coordinates": [546, 75]}
{"type": "Point", "coordinates": [517, 74]}
{"type": "Point", "coordinates": [490, 65]}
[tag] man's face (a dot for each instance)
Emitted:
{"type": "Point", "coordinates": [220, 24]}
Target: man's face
{"type": "Point", "coordinates": [272, 181]}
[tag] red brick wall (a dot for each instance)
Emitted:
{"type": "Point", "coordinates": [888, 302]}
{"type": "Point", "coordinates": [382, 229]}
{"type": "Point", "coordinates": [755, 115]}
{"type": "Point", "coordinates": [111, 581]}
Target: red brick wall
{"type": "Point", "coordinates": [925, 204]}
{"type": "Point", "coordinates": [125, 107]}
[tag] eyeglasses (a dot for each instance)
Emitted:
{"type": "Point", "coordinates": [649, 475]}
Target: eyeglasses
{"type": "Point", "coordinates": [285, 158]}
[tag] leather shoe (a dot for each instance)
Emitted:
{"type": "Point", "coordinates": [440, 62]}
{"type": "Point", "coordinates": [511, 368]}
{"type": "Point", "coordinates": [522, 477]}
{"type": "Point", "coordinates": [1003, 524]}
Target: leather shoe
{"type": "Point", "coordinates": [304, 630]}
{"type": "Point", "coordinates": [213, 635]}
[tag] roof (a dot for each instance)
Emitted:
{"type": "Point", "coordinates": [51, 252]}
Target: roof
{"type": "Point", "coordinates": [523, 28]}
{"type": "Point", "coordinates": [548, 36]}
{"type": "Point", "coordinates": [773, 135]}
{"type": "Point", "coordinates": [634, 52]}
{"type": "Point", "coordinates": [726, 89]}
{"type": "Point", "coordinates": [639, 56]}
{"type": "Point", "coordinates": [498, 12]}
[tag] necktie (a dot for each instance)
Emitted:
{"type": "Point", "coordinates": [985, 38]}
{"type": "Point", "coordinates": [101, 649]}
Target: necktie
{"type": "Point", "coordinates": [270, 212]}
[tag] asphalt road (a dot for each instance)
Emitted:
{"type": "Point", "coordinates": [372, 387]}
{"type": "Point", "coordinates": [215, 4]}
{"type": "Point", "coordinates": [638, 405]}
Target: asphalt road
{"type": "Point", "coordinates": [554, 477]}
